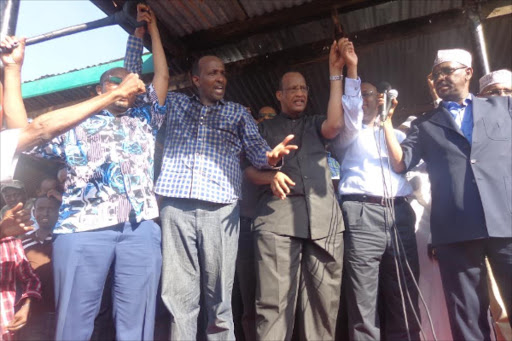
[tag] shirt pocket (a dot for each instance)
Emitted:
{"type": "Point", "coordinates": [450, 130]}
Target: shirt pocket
{"type": "Point", "coordinates": [498, 129]}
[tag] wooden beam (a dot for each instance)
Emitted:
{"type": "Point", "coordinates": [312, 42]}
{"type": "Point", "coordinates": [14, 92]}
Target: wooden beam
{"type": "Point", "coordinates": [234, 31]}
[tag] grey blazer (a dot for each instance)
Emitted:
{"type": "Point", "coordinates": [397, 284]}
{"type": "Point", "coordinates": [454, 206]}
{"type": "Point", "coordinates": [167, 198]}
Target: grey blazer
{"type": "Point", "coordinates": [471, 184]}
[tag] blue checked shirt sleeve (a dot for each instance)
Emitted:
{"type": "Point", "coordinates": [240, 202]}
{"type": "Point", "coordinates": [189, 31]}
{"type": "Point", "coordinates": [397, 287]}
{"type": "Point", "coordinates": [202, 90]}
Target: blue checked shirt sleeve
{"type": "Point", "coordinates": [150, 110]}
{"type": "Point", "coordinates": [254, 145]}
{"type": "Point", "coordinates": [133, 56]}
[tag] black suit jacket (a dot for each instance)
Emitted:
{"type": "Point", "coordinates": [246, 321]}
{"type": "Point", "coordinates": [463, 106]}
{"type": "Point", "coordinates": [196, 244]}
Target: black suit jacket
{"type": "Point", "coordinates": [471, 184]}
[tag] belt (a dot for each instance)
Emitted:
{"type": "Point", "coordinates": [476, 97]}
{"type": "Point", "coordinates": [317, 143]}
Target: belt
{"type": "Point", "coordinates": [372, 199]}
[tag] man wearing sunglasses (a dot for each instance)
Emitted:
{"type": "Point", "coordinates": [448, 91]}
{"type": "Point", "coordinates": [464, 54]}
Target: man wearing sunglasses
{"type": "Point", "coordinates": [105, 219]}
{"type": "Point", "coordinates": [466, 144]}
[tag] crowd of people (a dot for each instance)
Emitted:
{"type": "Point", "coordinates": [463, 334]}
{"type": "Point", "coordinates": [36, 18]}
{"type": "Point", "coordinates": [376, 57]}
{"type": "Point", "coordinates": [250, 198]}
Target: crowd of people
{"type": "Point", "coordinates": [306, 218]}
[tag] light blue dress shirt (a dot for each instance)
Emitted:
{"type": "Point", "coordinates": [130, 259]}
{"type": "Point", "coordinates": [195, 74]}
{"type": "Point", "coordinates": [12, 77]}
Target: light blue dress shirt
{"type": "Point", "coordinates": [362, 150]}
{"type": "Point", "coordinates": [462, 115]}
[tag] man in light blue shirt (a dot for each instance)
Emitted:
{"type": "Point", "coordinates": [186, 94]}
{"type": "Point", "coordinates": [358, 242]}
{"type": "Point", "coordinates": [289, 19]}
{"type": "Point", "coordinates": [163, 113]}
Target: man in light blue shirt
{"type": "Point", "coordinates": [377, 215]}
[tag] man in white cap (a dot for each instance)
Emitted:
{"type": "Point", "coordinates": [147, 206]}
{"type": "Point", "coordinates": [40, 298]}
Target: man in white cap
{"type": "Point", "coordinates": [496, 83]}
{"type": "Point", "coordinates": [466, 144]}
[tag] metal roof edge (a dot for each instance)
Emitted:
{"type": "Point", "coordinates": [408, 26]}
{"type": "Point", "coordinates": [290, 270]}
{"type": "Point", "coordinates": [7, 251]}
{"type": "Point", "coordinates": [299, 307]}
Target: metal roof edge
{"type": "Point", "coordinates": [76, 79]}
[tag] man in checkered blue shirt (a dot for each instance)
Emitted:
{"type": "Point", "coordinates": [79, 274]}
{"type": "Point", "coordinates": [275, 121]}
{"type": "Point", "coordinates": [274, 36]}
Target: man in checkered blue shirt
{"type": "Point", "coordinates": [200, 183]}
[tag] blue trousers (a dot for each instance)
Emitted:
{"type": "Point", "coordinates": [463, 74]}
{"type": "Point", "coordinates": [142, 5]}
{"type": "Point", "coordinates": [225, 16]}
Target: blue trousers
{"type": "Point", "coordinates": [81, 262]}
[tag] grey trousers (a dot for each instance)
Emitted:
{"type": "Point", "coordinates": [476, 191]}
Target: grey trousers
{"type": "Point", "coordinates": [370, 264]}
{"type": "Point", "coordinates": [297, 276]}
{"type": "Point", "coordinates": [200, 243]}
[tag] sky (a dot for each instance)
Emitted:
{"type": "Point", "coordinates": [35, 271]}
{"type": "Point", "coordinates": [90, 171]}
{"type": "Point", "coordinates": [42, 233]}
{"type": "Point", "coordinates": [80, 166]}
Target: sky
{"type": "Point", "coordinates": [70, 52]}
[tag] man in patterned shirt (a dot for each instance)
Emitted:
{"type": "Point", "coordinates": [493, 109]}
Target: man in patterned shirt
{"type": "Point", "coordinates": [107, 207]}
{"type": "Point", "coordinates": [200, 181]}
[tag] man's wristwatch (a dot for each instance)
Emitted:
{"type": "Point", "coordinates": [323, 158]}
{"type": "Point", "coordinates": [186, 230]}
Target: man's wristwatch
{"type": "Point", "coordinates": [336, 78]}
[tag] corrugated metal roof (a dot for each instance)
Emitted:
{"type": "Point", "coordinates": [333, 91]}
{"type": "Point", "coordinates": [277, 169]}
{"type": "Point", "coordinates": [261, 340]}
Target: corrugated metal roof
{"type": "Point", "coordinates": [404, 62]}
{"type": "Point", "coordinates": [255, 8]}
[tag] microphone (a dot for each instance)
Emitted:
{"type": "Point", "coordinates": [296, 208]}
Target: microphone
{"type": "Point", "coordinates": [389, 94]}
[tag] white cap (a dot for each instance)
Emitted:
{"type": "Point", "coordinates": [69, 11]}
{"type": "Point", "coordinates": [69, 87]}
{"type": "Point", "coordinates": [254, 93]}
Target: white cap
{"type": "Point", "coordinates": [454, 55]}
{"type": "Point", "coordinates": [503, 77]}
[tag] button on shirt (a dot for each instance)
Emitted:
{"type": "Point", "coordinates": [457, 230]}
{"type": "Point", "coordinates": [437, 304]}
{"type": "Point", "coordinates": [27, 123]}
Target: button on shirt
{"type": "Point", "coordinates": [203, 144]}
{"type": "Point", "coordinates": [110, 168]}
{"type": "Point", "coordinates": [462, 115]}
{"type": "Point", "coordinates": [363, 155]}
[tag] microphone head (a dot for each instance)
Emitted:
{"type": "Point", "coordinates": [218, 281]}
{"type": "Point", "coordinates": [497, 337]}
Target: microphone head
{"type": "Point", "coordinates": [392, 93]}
{"type": "Point", "coordinates": [383, 87]}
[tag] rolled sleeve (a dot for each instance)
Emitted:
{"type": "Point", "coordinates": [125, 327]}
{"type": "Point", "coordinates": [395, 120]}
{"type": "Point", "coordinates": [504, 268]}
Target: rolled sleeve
{"type": "Point", "coordinates": [352, 102]}
{"type": "Point", "coordinates": [132, 58]}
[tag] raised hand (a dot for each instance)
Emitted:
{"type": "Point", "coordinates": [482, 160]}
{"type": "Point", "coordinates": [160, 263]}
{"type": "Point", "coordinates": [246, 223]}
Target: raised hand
{"type": "Point", "coordinates": [279, 185]}
{"type": "Point", "coordinates": [280, 151]}
{"type": "Point", "coordinates": [144, 13]}
{"type": "Point", "coordinates": [336, 61]}
{"type": "Point", "coordinates": [348, 52]}
{"type": "Point", "coordinates": [16, 46]}
{"type": "Point", "coordinates": [431, 88]}
{"type": "Point", "coordinates": [16, 221]}
{"type": "Point", "coordinates": [131, 85]}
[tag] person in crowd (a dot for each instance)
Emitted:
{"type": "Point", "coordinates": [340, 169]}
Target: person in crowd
{"type": "Point", "coordinates": [496, 83]}
{"type": "Point", "coordinates": [266, 113]}
{"type": "Point", "coordinates": [437, 326]}
{"type": "Point", "coordinates": [200, 184]}
{"type": "Point", "coordinates": [38, 250]}
{"type": "Point", "coordinates": [107, 210]}
{"type": "Point", "coordinates": [466, 145]}
{"type": "Point", "coordinates": [16, 271]}
{"type": "Point", "coordinates": [245, 263]}
{"type": "Point", "coordinates": [379, 227]}
{"type": "Point", "coordinates": [298, 229]}
{"type": "Point", "coordinates": [49, 187]}
{"type": "Point", "coordinates": [13, 192]}
{"type": "Point", "coordinates": [20, 136]}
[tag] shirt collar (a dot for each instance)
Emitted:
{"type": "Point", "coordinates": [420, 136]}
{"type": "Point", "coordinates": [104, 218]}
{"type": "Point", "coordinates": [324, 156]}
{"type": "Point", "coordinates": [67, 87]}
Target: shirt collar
{"type": "Point", "coordinates": [284, 115]}
{"type": "Point", "coordinates": [196, 98]}
{"type": "Point", "coordinates": [454, 105]}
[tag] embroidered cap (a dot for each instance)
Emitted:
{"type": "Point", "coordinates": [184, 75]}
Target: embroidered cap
{"type": "Point", "coordinates": [454, 55]}
{"type": "Point", "coordinates": [496, 77]}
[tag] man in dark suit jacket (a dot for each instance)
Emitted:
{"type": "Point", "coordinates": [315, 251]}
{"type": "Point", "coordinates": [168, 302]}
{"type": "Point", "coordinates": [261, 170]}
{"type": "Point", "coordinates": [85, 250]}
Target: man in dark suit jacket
{"type": "Point", "coordinates": [466, 144]}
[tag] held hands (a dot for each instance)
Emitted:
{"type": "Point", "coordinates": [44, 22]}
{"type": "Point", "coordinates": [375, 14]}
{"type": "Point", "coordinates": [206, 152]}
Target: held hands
{"type": "Point", "coordinates": [131, 85]}
{"type": "Point", "coordinates": [144, 13]}
{"type": "Point", "coordinates": [348, 52]}
{"type": "Point", "coordinates": [16, 221]}
{"type": "Point", "coordinates": [336, 61]}
{"type": "Point", "coordinates": [16, 55]}
{"type": "Point", "coordinates": [20, 318]}
{"type": "Point", "coordinates": [280, 151]}
{"type": "Point", "coordinates": [279, 185]}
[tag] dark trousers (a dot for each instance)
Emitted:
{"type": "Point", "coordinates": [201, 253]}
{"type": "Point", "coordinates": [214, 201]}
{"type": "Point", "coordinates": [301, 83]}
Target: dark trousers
{"type": "Point", "coordinates": [297, 276]}
{"type": "Point", "coordinates": [371, 259]}
{"type": "Point", "coordinates": [246, 278]}
{"type": "Point", "coordinates": [464, 277]}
